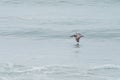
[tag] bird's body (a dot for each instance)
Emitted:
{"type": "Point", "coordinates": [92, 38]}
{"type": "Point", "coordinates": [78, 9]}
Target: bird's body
{"type": "Point", "coordinates": [77, 36]}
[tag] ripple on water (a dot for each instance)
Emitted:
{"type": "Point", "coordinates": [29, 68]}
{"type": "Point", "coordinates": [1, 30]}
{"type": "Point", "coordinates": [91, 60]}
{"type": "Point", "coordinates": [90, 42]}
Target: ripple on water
{"type": "Point", "coordinates": [105, 72]}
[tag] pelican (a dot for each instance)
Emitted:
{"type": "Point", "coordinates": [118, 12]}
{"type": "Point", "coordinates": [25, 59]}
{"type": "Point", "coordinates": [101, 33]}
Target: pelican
{"type": "Point", "coordinates": [77, 37]}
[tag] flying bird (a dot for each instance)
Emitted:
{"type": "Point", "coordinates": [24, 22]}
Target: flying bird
{"type": "Point", "coordinates": [77, 37]}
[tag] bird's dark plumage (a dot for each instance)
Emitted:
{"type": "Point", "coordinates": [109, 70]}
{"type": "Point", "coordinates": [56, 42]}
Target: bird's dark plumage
{"type": "Point", "coordinates": [77, 36]}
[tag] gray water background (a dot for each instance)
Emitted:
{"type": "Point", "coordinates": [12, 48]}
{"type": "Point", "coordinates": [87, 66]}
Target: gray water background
{"type": "Point", "coordinates": [35, 42]}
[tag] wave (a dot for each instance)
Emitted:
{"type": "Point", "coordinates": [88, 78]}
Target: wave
{"type": "Point", "coordinates": [38, 33]}
{"type": "Point", "coordinates": [60, 2]}
{"type": "Point", "coordinates": [108, 70]}
{"type": "Point", "coordinates": [11, 69]}
{"type": "Point", "coordinates": [107, 67]}
{"type": "Point", "coordinates": [105, 34]}
{"type": "Point", "coordinates": [11, 72]}
{"type": "Point", "coordinates": [41, 33]}
{"type": "Point", "coordinates": [57, 28]}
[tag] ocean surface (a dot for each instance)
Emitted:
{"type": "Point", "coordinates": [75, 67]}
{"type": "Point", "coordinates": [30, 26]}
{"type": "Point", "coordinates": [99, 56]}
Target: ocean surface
{"type": "Point", "coordinates": [35, 42]}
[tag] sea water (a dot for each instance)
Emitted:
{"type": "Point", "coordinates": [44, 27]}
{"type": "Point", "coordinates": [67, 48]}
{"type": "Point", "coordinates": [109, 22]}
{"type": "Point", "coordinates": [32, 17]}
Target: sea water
{"type": "Point", "coordinates": [35, 41]}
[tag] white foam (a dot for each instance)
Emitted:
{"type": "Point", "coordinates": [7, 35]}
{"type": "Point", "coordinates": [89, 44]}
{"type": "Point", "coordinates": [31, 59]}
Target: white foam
{"type": "Point", "coordinates": [106, 66]}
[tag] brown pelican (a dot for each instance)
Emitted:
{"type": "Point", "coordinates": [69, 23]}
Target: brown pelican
{"type": "Point", "coordinates": [77, 36]}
